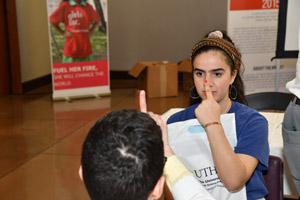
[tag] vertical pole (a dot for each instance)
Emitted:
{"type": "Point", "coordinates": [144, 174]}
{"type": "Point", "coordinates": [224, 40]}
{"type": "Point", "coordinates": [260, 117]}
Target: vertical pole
{"type": "Point", "coordinates": [277, 75]}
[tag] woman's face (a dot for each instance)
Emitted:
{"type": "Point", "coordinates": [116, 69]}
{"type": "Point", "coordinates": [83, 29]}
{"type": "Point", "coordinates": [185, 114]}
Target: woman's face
{"type": "Point", "coordinates": [211, 66]}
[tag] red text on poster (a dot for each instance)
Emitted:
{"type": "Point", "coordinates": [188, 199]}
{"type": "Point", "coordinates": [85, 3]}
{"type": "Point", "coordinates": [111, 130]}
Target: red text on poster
{"type": "Point", "coordinates": [80, 75]}
{"type": "Point", "coordinates": [253, 4]}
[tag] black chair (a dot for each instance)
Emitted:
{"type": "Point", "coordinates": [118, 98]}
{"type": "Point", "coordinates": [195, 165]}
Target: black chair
{"type": "Point", "coordinates": [269, 100]}
{"type": "Point", "coordinates": [274, 178]}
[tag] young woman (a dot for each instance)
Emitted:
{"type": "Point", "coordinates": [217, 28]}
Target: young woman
{"type": "Point", "coordinates": [217, 82]}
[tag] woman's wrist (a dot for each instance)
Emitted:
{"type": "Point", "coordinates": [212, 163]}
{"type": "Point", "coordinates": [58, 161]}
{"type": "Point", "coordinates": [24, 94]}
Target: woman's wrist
{"type": "Point", "coordinates": [211, 124]}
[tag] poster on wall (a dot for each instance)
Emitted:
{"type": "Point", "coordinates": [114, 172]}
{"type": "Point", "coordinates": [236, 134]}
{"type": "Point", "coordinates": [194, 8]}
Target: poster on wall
{"type": "Point", "coordinates": [252, 25]}
{"type": "Point", "coordinates": [79, 50]}
{"type": "Point", "coordinates": [287, 35]}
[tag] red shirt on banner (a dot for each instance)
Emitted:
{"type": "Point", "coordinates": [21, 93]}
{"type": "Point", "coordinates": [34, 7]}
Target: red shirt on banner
{"type": "Point", "coordinates": [77, 19]}
{"type": "Point", "coordinates": [253, 4]}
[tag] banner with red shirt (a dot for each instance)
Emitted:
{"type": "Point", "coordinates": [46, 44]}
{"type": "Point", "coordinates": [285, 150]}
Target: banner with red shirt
{"type": "Point", "coordinates": [252, 25]}
{"type": "Point", "coordinates": [78, 37]}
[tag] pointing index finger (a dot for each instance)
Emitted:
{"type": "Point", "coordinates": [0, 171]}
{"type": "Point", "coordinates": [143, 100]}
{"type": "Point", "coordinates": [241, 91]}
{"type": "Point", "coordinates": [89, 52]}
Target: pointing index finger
{"type": "Point", "coordinates": [207, 90]}
{"type": "Point", "coordinates": [142, 101]}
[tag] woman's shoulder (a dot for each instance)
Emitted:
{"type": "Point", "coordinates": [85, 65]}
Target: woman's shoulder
{"type": "Point", "coordinates": [245, 112]}
{"type": "Point", "coordinates": [186, 114]}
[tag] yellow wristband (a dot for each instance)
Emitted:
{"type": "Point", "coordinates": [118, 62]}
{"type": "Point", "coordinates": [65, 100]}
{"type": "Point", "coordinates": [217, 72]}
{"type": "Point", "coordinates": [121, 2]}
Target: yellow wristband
{"type": "Point", "coordinates": [211, 123]}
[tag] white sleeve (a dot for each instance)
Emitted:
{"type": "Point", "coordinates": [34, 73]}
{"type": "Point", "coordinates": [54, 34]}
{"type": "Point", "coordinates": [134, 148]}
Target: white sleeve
{"type": "Point", "coordinates": [188, 188]}
{"type": "Point", "coordinates": [182, 184]}
{"type": "Point", "coordinates": [294, 85]}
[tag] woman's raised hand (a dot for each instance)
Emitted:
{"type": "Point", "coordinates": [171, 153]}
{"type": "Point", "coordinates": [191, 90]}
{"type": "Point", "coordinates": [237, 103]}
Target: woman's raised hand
{"type": "Point", "coordinates": [209, 110]}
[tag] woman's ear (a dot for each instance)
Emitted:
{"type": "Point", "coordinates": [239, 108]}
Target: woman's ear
{"type": "Point", "coordinates": [80, 173]}
{"type": "Point", "coordinates": [158, 189]}
{"type": "Point", "coordinates": [233, 76]}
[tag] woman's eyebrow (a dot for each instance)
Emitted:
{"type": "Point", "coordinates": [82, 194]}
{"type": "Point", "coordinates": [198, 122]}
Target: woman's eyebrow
{"type": "Point", "coordinates": [218, 69]}
{"type": "Point", "coordinates": [213, 70]}
{"type": "Point", "coordinates": [200, 70]}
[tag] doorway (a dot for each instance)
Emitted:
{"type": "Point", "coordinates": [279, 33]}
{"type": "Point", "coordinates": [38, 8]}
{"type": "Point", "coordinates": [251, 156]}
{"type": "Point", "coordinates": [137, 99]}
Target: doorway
{"type": "Point", "coordinates": [5, 77]}
{"type": "Point", "coordinates": [10, 67]}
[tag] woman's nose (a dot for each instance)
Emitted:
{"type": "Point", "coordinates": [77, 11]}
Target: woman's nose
{"type": "Point", "coordinates": [208, 81]}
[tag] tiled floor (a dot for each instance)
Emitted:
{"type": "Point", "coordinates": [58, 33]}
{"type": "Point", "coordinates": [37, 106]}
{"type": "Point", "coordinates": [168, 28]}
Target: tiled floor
{"type": "Point", "coordinates": [40, 140]}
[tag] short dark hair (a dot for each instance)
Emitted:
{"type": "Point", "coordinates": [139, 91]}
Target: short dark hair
{"type": "Point", "coordinates": [122, 156]}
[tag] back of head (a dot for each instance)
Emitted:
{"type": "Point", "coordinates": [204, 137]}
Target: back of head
{"type": "Point", "coordinates": [122, 156]}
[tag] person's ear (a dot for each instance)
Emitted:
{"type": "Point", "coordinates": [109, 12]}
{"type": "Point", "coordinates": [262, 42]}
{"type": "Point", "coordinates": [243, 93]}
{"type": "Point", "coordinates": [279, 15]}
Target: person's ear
{"type": "Point", "coordinates": [233, 76]}
{"type": "Point", "coordinates": [80, 173]}
{"type": "Point", "coordinates": [158, 189]}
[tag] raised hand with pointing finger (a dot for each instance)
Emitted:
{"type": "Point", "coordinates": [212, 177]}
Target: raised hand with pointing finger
{"type": "Point", "coordinates": [159, 120]}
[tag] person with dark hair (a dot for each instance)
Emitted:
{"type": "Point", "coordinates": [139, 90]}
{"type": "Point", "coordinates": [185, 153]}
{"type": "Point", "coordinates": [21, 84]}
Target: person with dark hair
{"type": "Point", "coordinates": [235, 162]}
{"type": "Point", "coordinates": [123, 159]}
{"type": "Point", "coordinates": [80, 20]}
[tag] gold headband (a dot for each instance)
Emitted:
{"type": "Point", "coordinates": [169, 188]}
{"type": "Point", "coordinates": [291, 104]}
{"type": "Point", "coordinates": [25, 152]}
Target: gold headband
{"type": "Point", "coordinates": [227, 46]}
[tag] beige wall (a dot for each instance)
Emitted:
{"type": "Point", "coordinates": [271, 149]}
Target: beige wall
{"type": "Point", "coordinates": [33, 39]}
{"type": "Point", "coordinates": [139, 30]}
{"type": "Point", "coordinates": [145, 30]}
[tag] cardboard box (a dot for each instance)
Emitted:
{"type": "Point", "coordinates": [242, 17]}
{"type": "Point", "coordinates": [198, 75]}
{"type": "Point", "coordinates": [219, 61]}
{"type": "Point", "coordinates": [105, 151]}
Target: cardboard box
{"type": "Point", "coordinates": [185, 66]}
{"type": "Point", "coordinates": [157, 78]}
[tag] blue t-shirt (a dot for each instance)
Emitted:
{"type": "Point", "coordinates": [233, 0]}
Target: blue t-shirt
{"type": "Point", "coordinates": [252, 139]}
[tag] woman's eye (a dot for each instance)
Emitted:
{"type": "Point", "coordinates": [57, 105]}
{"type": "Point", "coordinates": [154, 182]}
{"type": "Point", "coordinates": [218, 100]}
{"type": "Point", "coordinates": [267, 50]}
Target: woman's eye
{"type": "Point", "coordinates": [199, 73]}
{"type": "Point", "coordinates": [218, 74]}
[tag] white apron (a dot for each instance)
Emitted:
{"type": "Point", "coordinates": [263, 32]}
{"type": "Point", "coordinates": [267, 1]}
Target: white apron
{"type": "Point", "coordinates": [189, 142]}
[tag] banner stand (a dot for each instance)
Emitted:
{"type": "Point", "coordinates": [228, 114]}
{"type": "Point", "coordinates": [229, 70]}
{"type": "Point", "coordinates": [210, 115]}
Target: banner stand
{"type": "Point", "coordinates": [80, 80]}
{"type": "Point", "coordinates": [69, 95]}
{"type": "Point", "coordinates": [79, 59]}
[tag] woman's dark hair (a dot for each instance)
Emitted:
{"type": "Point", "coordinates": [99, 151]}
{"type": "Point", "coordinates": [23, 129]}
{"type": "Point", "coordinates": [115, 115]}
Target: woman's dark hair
{"type": "Point", "coordinates": [238, 85]}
